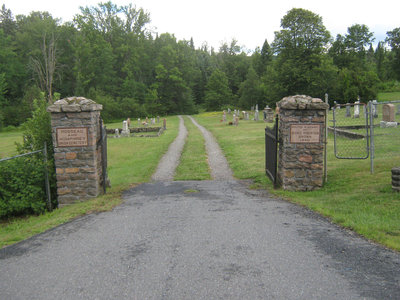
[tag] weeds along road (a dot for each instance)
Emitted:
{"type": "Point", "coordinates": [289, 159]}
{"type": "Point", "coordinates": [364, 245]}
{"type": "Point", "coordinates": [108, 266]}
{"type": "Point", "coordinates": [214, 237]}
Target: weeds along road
{"type": "Point", "coordinates": [199, 240]}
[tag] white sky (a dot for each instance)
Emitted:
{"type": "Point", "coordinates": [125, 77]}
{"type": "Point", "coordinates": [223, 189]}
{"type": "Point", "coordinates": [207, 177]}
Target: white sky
{"type": "Point", "coordinates": [250, 22]}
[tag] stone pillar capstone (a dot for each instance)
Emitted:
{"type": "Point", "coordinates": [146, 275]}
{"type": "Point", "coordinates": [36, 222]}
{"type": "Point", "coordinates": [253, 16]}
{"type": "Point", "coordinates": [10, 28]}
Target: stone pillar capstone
{"type": "Point", "coordinates": [301, 142]}
{"type": "Point", "coordinates": [76, 130]}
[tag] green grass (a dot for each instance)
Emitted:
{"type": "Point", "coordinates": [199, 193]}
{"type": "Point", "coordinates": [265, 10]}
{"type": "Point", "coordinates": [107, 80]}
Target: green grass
{"type": "Point", "coordinates": [388, 96]}
{"type": "Point", "coordinates": [352, 197]}
{"type": "Point", "coordinates": [130, 161]}
{"type": "Point", "coordinates": [193, 164]}
{"type": "Point", "coordinates": [7, 144]}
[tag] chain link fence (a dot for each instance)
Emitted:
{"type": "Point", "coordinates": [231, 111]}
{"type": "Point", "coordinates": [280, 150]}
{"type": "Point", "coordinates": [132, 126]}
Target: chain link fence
{"type": "Point", "coordinates": [385, 133]}
{"type": "Point", "coordinates": [349, 125]}
{"type": "Point", "coordinates": [363, 131]}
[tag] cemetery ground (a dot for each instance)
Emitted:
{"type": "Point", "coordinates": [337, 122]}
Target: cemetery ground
{"type": "Point", "coordinates": [352, 197]}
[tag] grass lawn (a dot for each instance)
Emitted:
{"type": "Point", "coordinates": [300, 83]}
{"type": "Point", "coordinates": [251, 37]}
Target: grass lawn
{"type": "Point", "coordinates": [130, 161]}
{"type": "Point", "coordinates": [390, 96]}
{"type": "Point", "coordinates": [352, 197]}
{"type": "Point", "coordinates": [7, 144]}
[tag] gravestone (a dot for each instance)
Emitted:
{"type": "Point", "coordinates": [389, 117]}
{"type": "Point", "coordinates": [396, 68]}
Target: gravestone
{"type": "Point", "coordinates": [224, 117]}
{"type": "Point", "coordinates": [348, 114]}
{"type": "Point", "coordinates": [375, 108]}
{"type": "Point", "coordinates": [388, 116]}
{"type": "Point", "coordinates": [229, 111]}
{"type": "Point", "coordinates": [301, 142]}
{"type": "Point", "coordinates": [125, 130]}
{"type": "Point", "coordinates": [76, 130]}
{"type": "Point", "coordinates": [388, 112]}
{"type": "Point", "coordinates": [357, 109]}
{"type": "Point", "coordinates": [237, 121]}
{"type": "Point", "coordinates": [269, 114]}
{"type": "Point", "coordinates": [256, 115]}
{"type": "Point", "coordinates": [398, 110]}
{"type": "Point", "coordinates": [158, 119]}
{"type": "Point", "coordinates": [138, 122]}
{"type": "Point", "coordinates": [247, 116]}
{"type": "Point", "coordinates": [116, 133]}
{"type": "Point", "coordinates": [164, 124]}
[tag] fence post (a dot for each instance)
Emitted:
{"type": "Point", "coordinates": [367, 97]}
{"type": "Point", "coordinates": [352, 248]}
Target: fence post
{"type": "Point", "coordinates": [371, 133]}
{"type": "Point", "coordinates": [46, 176]}
{"type": "Point", "coordinates": [326, 141]}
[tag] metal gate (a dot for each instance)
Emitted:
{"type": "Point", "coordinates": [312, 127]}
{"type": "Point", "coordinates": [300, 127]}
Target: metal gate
{"type": "Point", "coordinates": [351, 131]}
{"type": "Point", "coordinates": [271, 152]}
{"type": "Point", "coordinates": [103, 144]}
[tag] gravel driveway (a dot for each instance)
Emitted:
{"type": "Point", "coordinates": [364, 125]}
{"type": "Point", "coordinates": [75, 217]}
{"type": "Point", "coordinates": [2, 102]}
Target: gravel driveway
{"type": "Point", "coordinates": [199, 240]}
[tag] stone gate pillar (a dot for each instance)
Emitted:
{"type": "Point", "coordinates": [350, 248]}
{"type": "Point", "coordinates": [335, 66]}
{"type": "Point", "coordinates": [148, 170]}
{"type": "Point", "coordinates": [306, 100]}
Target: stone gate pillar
{"type": "Point", "coordinates": [76, 132]}
{"type": "Point", "coordinates": [301, 142]}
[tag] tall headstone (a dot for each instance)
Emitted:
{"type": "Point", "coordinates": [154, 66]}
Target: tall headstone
{"type": "Point", "coordinates": [138, 122]}
{"type": "Point", "coordinates": [301, 142]}
{"type": "Point", "coordinates": [375, 108]}
{"type": "Point", "coordinates": [164, 124]}
{"type": "Point", "coordinates": [116, 133]}
{"type": "Point", "coordinates": [357, 109]}
{"type": "Point", "coordinates": [256, 115]}
{"type": "Point", "coordinates": [348, 114]}
{"type": "Point", "coordinates": [125, 129]}
{"type": "Point", "coordinates": [224, 116]}
{"type": "Point", "coordinates": [158, 119]}
{"type": "Point", "coordinates": [76, 131]}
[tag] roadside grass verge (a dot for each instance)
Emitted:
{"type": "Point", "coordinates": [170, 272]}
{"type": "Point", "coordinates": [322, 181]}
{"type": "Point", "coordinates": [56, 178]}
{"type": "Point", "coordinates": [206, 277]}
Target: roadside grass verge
{"type": "Point", "coordinates": [352, 197]}
{"type": "Point", "coordinates": [131, 161]}
{"type": "Point", "coordinates": [193, 163]}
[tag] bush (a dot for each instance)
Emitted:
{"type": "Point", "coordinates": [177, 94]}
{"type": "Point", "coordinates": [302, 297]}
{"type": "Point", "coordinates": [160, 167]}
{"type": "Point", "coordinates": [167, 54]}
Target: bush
{"type": "Point", "coordinates": [22, 187]}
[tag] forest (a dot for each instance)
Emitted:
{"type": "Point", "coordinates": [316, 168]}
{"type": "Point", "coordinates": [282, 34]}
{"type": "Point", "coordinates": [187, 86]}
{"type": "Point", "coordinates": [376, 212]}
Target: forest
{"type": "Point", "coordinates": [109, 54]}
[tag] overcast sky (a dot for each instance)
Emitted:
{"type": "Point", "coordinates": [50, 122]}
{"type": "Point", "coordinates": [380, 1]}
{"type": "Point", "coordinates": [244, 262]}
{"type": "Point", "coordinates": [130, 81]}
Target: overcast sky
{"type": "Point", "coordinates": [250, 22]}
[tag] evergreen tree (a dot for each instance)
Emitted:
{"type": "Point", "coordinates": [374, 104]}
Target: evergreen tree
{"type": "Point", "coordinates": [218, 92]}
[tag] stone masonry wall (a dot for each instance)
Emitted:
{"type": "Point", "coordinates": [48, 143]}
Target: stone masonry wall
{"type": "Point", "coordinates": [301, 148]}
{"type": "Point", "coordinates": [78, 168]}
{"type": "Point", "coordinates": [396, 179]}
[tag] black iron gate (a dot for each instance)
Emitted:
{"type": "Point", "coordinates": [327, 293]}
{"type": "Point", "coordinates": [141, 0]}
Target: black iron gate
{"type": "Point", "coordinates": [271, 152]}
{"type": "Point", "coordinates": [103, 144]}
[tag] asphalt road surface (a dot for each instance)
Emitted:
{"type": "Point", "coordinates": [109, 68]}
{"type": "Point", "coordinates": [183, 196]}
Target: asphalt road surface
{"type": "Point", "coordinates": [199, 240]}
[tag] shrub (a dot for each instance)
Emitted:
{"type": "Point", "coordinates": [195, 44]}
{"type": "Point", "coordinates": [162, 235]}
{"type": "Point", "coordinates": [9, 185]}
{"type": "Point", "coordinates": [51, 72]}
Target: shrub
{"type": "Point", "coordinates": [22, 188]}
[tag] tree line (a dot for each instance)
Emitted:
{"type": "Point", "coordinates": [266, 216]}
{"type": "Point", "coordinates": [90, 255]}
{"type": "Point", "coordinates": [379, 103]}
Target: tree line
{"type": "Point", "coordinates": [109, 54]}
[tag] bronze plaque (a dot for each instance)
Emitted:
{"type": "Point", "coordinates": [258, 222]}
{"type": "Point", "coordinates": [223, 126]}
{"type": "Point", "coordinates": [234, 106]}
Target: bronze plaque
{"type": "Point", "coordinates": [72, 137]}
{"type": "Point", "coordinates": [305, 133]}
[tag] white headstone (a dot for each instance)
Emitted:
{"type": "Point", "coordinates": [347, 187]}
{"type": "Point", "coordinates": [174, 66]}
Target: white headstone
{"type": "Point", "coordinates": [256, 115]}
{"type": "Point", "coordinates": [375, 108]}
{"type": "Point", "coordinates": [125, 130]}
{"type": "Point", "coordinates": [357, 109]}
{"type": "Point", "coordinates": [116, 133]}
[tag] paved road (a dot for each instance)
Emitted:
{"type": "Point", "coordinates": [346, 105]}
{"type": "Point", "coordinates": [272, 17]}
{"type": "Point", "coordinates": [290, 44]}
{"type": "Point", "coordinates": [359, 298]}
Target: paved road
{"type": "Point", "coordinates": [199, 240]}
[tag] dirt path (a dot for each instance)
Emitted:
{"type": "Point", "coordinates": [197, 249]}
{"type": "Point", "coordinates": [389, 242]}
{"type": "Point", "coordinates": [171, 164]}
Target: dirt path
{"type": "Point", "coordinates": [219, 166]}
{"type": "Point", "coordinates": [220, 169]}
{"type": "Point", "coordinates": [167, 165]}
